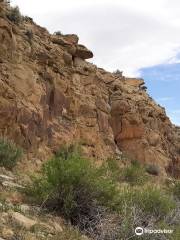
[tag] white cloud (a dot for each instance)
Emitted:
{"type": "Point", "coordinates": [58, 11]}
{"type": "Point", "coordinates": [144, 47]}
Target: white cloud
{"type": "Point", "coordinates": [124, 34]}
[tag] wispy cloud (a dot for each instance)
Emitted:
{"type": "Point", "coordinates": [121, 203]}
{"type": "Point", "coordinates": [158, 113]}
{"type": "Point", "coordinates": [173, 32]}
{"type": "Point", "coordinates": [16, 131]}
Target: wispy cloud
{"type": "Point", "coordinates": [162, 72]}
{"type": "Point", "coordinates": [127, 35]}
{"type": "Point", "coordinates": [174, 59]}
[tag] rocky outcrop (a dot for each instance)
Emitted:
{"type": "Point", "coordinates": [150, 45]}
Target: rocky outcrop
{"type": "Point", "coordinates": [83, 53]}
{"type": "Point", "coordinates": [50, 96]}
{"type": "Point", "coordinates": [7, 39]}
{"type": "Point", "coordinates": [70, 43]}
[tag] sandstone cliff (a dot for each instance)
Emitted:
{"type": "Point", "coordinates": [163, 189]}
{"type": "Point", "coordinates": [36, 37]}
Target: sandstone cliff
{"type": "Point", "coordinates": [50, 95]}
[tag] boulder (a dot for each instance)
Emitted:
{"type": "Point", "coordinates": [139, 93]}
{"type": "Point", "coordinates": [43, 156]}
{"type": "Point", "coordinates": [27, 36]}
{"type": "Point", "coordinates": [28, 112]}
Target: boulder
{"type": "Point", "coordinates": [134, 82]}
{"type": "Point", "coordinates": [22, 221]}
{"type": "Point", "coordinates": [83, 52]}
{"type": "Point", "coordinates": [59, 40]}
{"type": "Point", "coordinates": [71, 38]}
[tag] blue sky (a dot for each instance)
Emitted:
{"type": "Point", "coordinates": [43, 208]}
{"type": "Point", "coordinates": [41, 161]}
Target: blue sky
{"type": "Point", "coordinates": [139, 37]}
{"type": "Point", "coordinates": [163, 82]}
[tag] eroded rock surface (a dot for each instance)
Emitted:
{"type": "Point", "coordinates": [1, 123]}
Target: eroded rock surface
{"type": "Point", "coordinates": [49, 96]}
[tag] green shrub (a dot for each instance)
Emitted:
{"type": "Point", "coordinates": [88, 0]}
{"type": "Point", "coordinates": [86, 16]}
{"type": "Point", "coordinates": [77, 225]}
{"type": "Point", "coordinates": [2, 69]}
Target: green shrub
{"type": "Point", "coordinates": [71, 185]}
{"type": "Point", "coordinates": [58, 33]}
{"type": "Point", "coordinates": [118, 73]}
{"type": "Point", "coordinates": [93, 199]}
{"type": "Point", "coordinates": [9, 154]}
{"type": "Point", "coordinates": [176, 233]}
{"type": "Point", "coordinates": [14, 15]}
{"type": "Point", "coordinates": [145, 206]}
{"type": "Point", "coordinates": [155, 202]}
{"type": "Point", "coordinates": [111, 169]}
{"type": "Point", "coordinates": [150, 200]}
{"type": "Point", "coordinates": [176, 189]}
{"type": "Point", "coordinates": [134, 174]}
{"type": "Point", "coordinates": [27, 19]}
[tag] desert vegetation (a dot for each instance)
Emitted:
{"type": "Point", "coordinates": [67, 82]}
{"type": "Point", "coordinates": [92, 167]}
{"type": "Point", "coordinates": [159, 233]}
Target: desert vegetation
{"type": "Point", "coordinates": [105, 202]}
{"type": "Point", "coordinates": [58, 33]}
{"type": "Point", "coordinates": [14, 15]}
{"type": "Point", "coordinates": [9, 154]}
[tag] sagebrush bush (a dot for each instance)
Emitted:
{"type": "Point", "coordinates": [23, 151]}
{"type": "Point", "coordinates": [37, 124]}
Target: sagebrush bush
{"type": "Point", "coordinates": [9, 154]}
{"type": "Point", "coordinates": [14, 15]}
{"type": "Point", "coordinates": [71, 185]}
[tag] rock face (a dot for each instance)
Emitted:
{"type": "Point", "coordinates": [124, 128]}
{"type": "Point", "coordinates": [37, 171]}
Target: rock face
{"type": "Point", "coordinates": [50, 96]}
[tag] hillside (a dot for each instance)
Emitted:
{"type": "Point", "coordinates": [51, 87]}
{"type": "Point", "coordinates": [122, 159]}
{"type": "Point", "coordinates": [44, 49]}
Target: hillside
{"type": "Point", "coordinates": [51, 96]}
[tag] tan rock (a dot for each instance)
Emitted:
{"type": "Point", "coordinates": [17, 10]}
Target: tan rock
{"type": "Point", "coordinates": [60, 41]}
{"type": "Point", "coordinates": [103, 121]}
{"type": "Point", "coordinates": [22, 221]}
{"type": "Point", "coordinates": [67, 58]}
{"type": "Point", "coordinates": [120, 107]}
{"type": "Point", "coordinates": [153, 139]}
{"type": "Point", "coordinates": [7, 39]}
{"type": "Point", "coordinates": [135, 82]}
{"type": "Point", "coordinates": [72, 38]}
{"type": "Point", "coordinates": [57, 227]}
{"type": "Point", "coordinates": [86, 66]}
{"type": "Point", "coordinates": [83, 52]}
{"type": "Point", "coordinates": [7, 233]}
{"type": "Point", "coordinates": [130, 131]}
